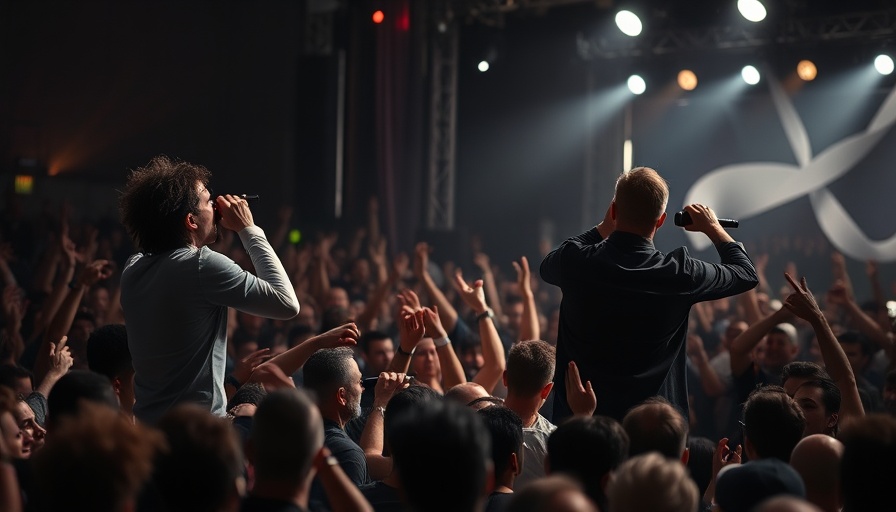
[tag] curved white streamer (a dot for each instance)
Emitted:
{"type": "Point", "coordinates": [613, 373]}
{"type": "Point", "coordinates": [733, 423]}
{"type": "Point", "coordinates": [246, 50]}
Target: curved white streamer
{"type": "Point", "coordinates": [749, 189]}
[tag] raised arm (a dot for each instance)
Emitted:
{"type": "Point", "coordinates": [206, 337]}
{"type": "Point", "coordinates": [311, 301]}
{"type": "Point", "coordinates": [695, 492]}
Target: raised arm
{"type": "Point", "coordinates": [376, 250]}
{"type": "Point", "coordinates": [452, 370]}
{"type": "Point", "coordinates": [530, 328]}
{"type": "Point", "coordinates": [373, 436]}
{"type": "Point", "coordinates": [749, 301]}
{"type": "Point", "coordinates": [13, 312]}
{"type": "Point", "coordinates": [709, 380]}
{"type": "Point", "coordinates": [551, 268]}
{"type": "Point", "coordinates": [378, 297]}
{"type": "Point", "coordinates": [841, 295]}
{"type": "Point", "coordinates": [581, 398]}
{"type": "Point", "coordinates": [743, 345]}
{"type": "Point", "coordinates": [877, 294]}
{"type": "Point", "coordinates": [493, 359]}
{"type": "Point", "coordinates": [760, 261]}
{"type": "Point", "coordinates": [62, 320]}
{"type": "Point", "coordinates": [704, 221]}
{"type": "Point", "coordinates": [410, 332]}
{"type": "Point", "coordinates": [281, 231]}
{"type": "Point", "coordinates": [421, 270]}
{"type": "Point", "coordinates": [488, 279]}
{"type": "Point", "coordinates": [320, 275]}
{"type": "Point", "coordinates": [270, 294]}
{"type": "Point", "coordinates": [802, 303]}
{"type": "Point", "coordinates": [64, 263]}
{"type": "Point", "coordinates": [59, 363]}
{"type": "Point", "coordinates": [345, 335]}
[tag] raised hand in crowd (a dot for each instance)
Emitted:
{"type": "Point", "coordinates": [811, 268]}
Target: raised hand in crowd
{"type": "Point", "coordinates": [411, 329]}
{"type": "Point", "coordinates": [60, 361]}
{"type": "Point", "coordinates": [481, 260]}
{"type": "Point", "coordinates": [61, 323]}
{"type": "Point", "coordinates": [14, 303]}
{"type": "Point", "coordinates": [530, 327]}
{"type": "Point", "coordinates": [722, 456]}
{"type": "Point", "coordinates": [841, 295]}
{"type": "Point", "coordinates": [582, 399]}
{"type": "Point", "coordinates": [244, 367]}
{"type": "Point", "coordinates": [802, 304]}
{"type": "Point", "coordinates": [494, 361]}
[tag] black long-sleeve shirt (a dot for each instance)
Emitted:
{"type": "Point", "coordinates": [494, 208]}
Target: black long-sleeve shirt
{"type": "Point", "coordinates": [624, 314]}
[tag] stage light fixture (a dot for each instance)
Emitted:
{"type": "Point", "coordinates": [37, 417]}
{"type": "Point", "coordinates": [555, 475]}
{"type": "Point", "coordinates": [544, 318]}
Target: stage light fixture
{"type": "Point", "coordinates": [750, 75]}
{"type": "Point", "coordinates": [883, 64]}
{"type": "Point", "coordinates": [806, 70]}
{"type": "Point", "coordinates": [378, 17]}
{"type": "Point", "coordinates": [629, 23]}
{"type": "Point", "coordinates": [483, 66]}
{"type": "Point", "coordinates": [687, 80]}
{"type": "Point", "coordinates": [636, 84]}
{"type": "Point", "coordinates": [752, 10]}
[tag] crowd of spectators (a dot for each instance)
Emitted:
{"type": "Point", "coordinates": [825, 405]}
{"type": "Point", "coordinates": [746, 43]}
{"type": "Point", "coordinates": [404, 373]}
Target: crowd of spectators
{"type": "Point", "coordinates": [408, 381]}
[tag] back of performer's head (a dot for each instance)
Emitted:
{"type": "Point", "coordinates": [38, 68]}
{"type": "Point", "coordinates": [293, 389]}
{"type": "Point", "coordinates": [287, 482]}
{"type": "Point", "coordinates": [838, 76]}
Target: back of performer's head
{"type": "Point", "coordinates": [641, 197]}
{"type": "Point", "coordinates": [157, 198]}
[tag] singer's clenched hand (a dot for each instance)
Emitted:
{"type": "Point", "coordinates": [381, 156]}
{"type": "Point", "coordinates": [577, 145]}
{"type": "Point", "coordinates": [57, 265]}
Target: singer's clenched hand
{"type": "Point", "coordinates": [704, 220]}
{"type": "Point", "coordinates": [235, 212]}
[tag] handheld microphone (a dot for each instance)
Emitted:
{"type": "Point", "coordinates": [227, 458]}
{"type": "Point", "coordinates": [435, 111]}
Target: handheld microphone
{"type": "Point", "coordinates": [250, 198]}
{"type": "Point", "coordinates": [683, 218]}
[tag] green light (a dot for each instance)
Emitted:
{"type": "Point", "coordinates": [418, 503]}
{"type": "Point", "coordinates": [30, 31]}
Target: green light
{"type": "Point", "coordinates": [295, 236]}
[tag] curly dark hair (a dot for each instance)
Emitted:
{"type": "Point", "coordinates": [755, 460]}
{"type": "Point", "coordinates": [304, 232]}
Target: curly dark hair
{"type": "Point", "coordinates": [155, 201]}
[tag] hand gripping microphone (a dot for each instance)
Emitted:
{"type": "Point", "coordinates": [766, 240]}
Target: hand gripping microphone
{"type": "Point", "coordinates": [250, 198]}
{"type": "Point", "coordinates": [683, 218]}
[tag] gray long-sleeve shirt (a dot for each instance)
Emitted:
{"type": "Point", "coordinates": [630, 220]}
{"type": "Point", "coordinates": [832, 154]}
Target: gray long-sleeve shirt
{"type": "Point", "coordinates": [175, 305]}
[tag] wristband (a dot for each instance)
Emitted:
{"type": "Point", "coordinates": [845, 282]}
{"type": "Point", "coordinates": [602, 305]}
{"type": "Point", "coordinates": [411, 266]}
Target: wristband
{"type": "Point", "coordinates": [441, 342]}
{"type": "Point", "coordinates": [402, 352]}
{"type": "Point", "coordinates": [485, 314]}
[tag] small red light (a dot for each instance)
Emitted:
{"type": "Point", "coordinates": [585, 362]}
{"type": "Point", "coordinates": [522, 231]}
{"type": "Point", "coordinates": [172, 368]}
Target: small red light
{"type": "Point", "coordinates": [378, 17]}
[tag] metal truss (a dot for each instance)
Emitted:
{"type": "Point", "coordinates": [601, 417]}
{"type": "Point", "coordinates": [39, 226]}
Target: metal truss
{"type": "Point", "coordinates": [845, 28]}
{"type": "Point", "coordinates": [442, 122]}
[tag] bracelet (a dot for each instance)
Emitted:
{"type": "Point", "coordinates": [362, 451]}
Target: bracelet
{"type": "Point", "coordinates": [441, 342]}
{"type": "Point", "coordinates": [485, 314]}
{"type": "Point", "coordinates": [402, 352]}
{"type": "Point", "coordinates": [381, 409]}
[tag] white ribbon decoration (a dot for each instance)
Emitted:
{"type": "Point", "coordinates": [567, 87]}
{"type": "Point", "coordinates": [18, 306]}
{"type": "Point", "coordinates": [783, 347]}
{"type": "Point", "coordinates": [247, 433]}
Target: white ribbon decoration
{"type": "Point", "coordinates": [744, 191]}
